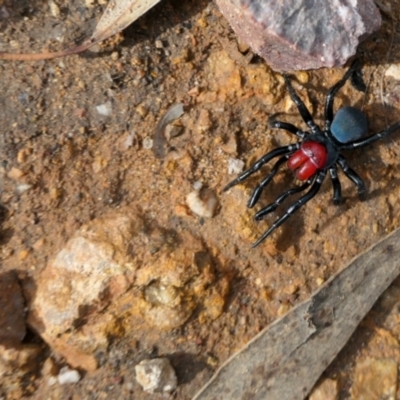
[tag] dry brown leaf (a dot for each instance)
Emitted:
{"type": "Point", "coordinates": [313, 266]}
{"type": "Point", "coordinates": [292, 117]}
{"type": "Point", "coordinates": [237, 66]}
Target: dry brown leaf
{"type": "Point", "coordinates": [117, 16]}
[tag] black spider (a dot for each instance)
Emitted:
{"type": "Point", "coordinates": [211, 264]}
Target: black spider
{"type": "Point", "coordinates": [316, 153]}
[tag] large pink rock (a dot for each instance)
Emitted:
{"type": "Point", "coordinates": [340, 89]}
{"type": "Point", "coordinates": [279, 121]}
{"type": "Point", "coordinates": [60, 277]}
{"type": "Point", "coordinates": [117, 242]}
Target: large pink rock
{"type": "Point", "coordinates": [302, 34]}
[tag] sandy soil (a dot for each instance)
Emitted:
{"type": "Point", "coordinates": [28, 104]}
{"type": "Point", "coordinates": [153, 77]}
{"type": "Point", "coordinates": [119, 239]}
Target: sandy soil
{"type": "Point", "coordinates": [63, 164]}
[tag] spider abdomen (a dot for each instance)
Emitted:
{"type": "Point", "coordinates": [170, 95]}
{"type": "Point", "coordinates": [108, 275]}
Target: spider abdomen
{"type": "Point", "coordinates": [349, 124]}
{"type": "Point", "coordinates": [311, 156]}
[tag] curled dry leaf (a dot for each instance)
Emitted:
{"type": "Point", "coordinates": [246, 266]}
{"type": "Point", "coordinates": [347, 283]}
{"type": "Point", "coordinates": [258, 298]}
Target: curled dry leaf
{"type": "Point", "coordinates": [117, 16]}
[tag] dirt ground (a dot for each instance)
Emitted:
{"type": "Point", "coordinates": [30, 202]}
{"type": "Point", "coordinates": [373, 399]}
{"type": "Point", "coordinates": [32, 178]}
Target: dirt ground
{"type": "Point", "coordinates": [63, 164]}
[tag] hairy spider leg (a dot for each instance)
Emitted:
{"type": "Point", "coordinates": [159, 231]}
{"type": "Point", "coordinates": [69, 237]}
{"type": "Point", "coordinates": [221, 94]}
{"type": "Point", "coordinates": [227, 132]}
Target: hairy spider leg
{"type": "Point", "coordinates": [287, 127]}
{"type": "Point", "coordinates": [353, 176]}
{"type": "Point", "coordinates": [280, 151]}
{"type": "Point", "coordinates": [295, 206]}
{"type": "Point", "coordinates": [371, 139]}
{"type": "Point", "coordinates": [303, 110]}
{"type": "Point", "coordinates": [273, 206]}
{"type": "Point", "coordinates": [258, 190]}
{"type": "Point", "coordinates": [337, 187]}
{"type": "Point", "coordinates": [330, 97]}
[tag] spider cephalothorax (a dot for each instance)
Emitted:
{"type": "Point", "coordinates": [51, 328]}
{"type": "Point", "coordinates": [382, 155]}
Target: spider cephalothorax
{"type": "Point", "coordinates": [317, 153]}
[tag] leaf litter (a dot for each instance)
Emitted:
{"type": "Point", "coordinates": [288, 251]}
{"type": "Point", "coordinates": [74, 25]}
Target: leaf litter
{"type": "Point", "coordinates": [117, 16]}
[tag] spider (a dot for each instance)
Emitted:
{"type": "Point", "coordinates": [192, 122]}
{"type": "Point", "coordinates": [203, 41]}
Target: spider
{"type": "Point", "coordinates": [317, 153]}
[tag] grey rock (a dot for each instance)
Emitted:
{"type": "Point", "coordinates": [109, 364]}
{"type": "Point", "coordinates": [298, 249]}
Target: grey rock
{"type": "Point", "coordinates": [302, 34]}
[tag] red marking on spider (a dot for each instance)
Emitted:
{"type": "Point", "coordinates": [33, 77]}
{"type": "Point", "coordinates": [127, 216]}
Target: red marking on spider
{"type": "Point", "coordinates": [308, 159]}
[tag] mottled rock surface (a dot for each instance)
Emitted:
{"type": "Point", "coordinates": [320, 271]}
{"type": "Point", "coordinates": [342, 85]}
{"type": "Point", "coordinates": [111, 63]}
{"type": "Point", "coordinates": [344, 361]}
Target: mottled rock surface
{"type": "Point", "coordinates": [92, 271]}
{"type": "Point", "coordinates": [302, 34]}
{"type": "Point", "coordinates": [117, 272]}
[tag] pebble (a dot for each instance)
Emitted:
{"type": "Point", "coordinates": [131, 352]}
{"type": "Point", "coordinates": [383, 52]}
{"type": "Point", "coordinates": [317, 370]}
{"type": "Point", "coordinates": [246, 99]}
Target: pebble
{"type": "Point", "coordinates": [105, 109]}
{"type": "Point", "coordinates": [23, 187]}
{"type": "Point", "coordinates": [67, 375]}
{"type": "Point", "coordinates": [235, 166]}
{"type": "Point", "coordinates": [202, 202]}
{"type": "Point", "coordinates": [156, 375]}
{"type": "Point", "coordinates": [147, 143]}
{"type": "Point", "coordinates": [393, 71]}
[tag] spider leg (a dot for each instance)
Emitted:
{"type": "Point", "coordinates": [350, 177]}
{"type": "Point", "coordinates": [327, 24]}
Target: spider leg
{"type": "Point", "coordinates": [303, 110]}
{"type": "Point", "coordinates": [280, 151]}
{"type": "Point", "coordinates": [258, 190]}
{"type": "Point", "coordinates": [353, 176]}
{"type": "Point", "coordinates": [287, 127]}
{"type": "Point", "coordinates": [333, 91]}
{"type": "Point", "coordinates": [273, 206]}
{"type": "Point", "coordinates": [337, 188]}
{"type": "Point", "coordinates": [371, 139]}
{"type": "Point", "coordinates": [295, 206]}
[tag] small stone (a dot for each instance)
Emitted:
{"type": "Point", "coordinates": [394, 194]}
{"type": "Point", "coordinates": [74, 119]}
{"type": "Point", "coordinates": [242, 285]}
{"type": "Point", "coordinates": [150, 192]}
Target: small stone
{"type": "Point", "coordinates": [156, 375]}
{"type": "Point", "coordinates": [197, 185]}
{"type": "Point", "coordinates": [283, 309]}
{"type": "Point", "coordinates": [202, 202]}
{"type": "Point", "coordinates": [23, 187]}
{"type": "Point", "coordinates": [393, 71]}
{"type": "Point", "coordinates": [114, 55]}
{"type": "Point", "coordinates": [147, 143]}
{"type": "Point", "coordinates": [142, 110]}
{"type": "Point", "coordinates": [105, 109]}
{"type": "Point", "coordinates": [235, 166]}
{"type": "Point", "coordinates": [319, 281]}
{"type": "Point", "coordinates": [67, 375]}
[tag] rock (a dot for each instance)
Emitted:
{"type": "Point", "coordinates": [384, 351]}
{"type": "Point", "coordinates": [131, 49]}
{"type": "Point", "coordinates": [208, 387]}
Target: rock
{"type": "Point", "coordinates": [156, 375]}
{"type": "Point", "coordinates": [117, 275]}
{"type": "Point", "coordinates": [91, 272]}
{"type": "Point", "coordinates": [375, 379]}
{"type": "Point", "coordinates": [67, 375]}
{"type": "Point", "coordinates": [302, 34]}
{"type": "Point", "coordinates": [12, 313]}
{"type": "Point", "coordinates": [202, 202]}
